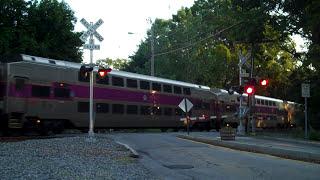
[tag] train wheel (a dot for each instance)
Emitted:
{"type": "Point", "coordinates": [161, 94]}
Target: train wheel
{"type": "Point", "coordinates": [59, 126]}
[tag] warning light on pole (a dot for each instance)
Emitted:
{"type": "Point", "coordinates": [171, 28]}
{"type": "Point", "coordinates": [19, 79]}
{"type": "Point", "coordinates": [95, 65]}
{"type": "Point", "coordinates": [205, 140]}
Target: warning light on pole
{"type": "Point", "coordinates": [104, 72]}
{"type": "Point", "coordinates": [249, 90]}
{"type": "Point", "coordinates": [263, 82]}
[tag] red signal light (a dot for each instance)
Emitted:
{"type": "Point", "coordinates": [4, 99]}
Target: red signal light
{"type": "Point", "coordinates": [104, 72]}
{"type": "Point", "coordinates": [264, 82]}
{"type": "Point", "coordinates": [249, 90]}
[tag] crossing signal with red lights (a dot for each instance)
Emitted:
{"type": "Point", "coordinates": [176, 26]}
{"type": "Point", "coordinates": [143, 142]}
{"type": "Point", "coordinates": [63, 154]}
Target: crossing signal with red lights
{"type": "Point", "coordinates": [102, 72]}
{"type": "Point", "coordinates": [84, 73]}
{"type": "Point", "coordinates": [249, 89]}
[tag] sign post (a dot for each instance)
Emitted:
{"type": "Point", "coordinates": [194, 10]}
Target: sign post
{"type": "Point", "coordinates": [186, 105]}
{"type": "Point", "coordinates": [305, 92]}
{"type": "Point", "coordinates": [242, 60]}
{"type": "Point", "coordinates": [91, 32]}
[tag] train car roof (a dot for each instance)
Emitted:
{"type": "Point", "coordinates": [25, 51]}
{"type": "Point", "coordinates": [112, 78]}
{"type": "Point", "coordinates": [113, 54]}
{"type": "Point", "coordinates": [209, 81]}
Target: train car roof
{"type": "Point", "coordinates": [225, 92]}
{"type": "Point", "coordinates": [55, 63]}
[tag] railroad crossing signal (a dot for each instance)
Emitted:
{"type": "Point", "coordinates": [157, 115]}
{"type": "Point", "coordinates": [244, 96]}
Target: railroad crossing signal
{"type": "Point", "coordinates": [91, 32]}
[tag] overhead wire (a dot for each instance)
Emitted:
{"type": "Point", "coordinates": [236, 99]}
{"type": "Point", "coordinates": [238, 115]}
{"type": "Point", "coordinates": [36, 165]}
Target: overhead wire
{"type": "Point", "coordinates": [199, 41]}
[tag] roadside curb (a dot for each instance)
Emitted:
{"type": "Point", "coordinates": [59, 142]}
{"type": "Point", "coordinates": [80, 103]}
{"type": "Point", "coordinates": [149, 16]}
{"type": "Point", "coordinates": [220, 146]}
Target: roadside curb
{"type": "Point", "coordinates": [306, 142]}
{"type": "Point", "coordinates": [133, 154]}
{"type": "Point", "coordinates": [288, 154]}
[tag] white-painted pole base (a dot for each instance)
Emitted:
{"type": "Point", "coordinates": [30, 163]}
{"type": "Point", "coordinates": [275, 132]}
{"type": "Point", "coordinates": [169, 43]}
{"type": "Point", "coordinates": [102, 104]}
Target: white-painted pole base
{"type": "Point", "coordinates": [240, 128]}
{"type": "Point", "coordinates": [90, 137]}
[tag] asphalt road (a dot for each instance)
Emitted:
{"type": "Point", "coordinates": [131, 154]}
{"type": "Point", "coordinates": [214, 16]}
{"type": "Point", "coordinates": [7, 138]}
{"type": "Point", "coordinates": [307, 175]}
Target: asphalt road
{"type": "Point", "coordinates": [169, 157]}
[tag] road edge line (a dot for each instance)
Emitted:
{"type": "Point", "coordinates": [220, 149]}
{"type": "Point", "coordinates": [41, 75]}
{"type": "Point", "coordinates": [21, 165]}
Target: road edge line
{"type": "Point", "coordinates": [287, 154]}
{"type": "Point", "coordinates": [133, 154]}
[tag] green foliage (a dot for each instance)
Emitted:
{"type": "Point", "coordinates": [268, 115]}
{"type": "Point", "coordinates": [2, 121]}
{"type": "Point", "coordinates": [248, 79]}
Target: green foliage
{"type": "Point", "coordinates": [117, 64]}
{"type": "Point", "coordinates": [201, 45]}
{"type": "Point", "coordinates": [43, 28]}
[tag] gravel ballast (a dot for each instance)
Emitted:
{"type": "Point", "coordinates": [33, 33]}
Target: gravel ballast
{"type": "Point", "coordinates": [69, 158]}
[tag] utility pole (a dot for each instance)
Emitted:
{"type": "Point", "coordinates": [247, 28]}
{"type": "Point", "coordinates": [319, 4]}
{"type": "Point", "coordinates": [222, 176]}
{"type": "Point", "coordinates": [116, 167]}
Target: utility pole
{"type": "Point", "coordinates": [152, 49]}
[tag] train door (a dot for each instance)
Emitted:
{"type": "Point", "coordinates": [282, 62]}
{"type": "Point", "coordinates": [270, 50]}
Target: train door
{"type": "Point", "coordinates": [17, 101]}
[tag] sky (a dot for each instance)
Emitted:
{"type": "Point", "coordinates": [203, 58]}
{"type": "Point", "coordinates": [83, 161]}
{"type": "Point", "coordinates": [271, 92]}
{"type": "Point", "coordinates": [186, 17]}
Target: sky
{"type": "Point", "coordinates": [121, 17]}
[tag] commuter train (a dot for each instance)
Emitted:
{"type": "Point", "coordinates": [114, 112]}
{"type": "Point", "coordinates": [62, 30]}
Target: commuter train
{"type": "Point", "coordinates": [50, 95]}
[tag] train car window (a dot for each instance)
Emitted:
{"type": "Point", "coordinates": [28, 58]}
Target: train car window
{"type": "Point", "coordinates": [132, 109]}
{"type": "Point", "coordinates": [102, 108]}
{"type": "Point", "coordinates": [167, 88]}
{"type": "Point", "coordinates": [100, 80]}
{"type": "Point", "coordinates": [20, 84]}
{"type": "Point", "coordinates": [117, 81]}
{"type": "Point", "coordinates": [197, 106]}
{"type": "Point", "coordinates": [156, 87]}
{"type": "Point", "coordinates": [177, 90]}
{"type": "Point", "coordinates": [40, 91]}
{"type": "Point", "coordinates": [85, 78]}
{"type": "Point", "coordinates": [83, 106]}
{"type": "Point", "coordinates": [262, 102]}
{"type": "Point", "coordinates": [274, 103]}
{"type": "Point", "coordinates": [167, 111]}
{"type": "Point", "coordinates": [132, 83]}
{"type": "Point", "coordinates": [144, 110]}
{"type": "Point", "coordinates": [145, 85]}
{"type": "Point", "coordinates": [205, 105]}
{"type": "Point", "coordinates": [228, 108]}
{"type": "Point", "coordinates": [157, 111]}
{"type": "Point", "coordinates": [62, 92]}
{"type": "Point", "coordinates": [117, 109]}
{"type": "Point", "coordinates": [186, 91]}
{"type": "Point", "coordinates": [258, 101]}
{"type": "Point", "coordinates": [178, 112]}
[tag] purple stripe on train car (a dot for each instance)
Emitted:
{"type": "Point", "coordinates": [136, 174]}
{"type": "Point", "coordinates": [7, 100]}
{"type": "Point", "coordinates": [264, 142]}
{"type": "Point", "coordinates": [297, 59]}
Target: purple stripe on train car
{"type": "Point", "coordinates": [125, 95]}
{"type": "Point", "coordinates": [106, 93]}
{"type": "Point", "coordinates": [23, 93]}
{"type": "Point", "coordinates": [2, 89]}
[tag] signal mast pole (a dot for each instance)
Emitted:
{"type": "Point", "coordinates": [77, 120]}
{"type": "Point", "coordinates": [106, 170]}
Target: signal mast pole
{"type": "Point", "coordinates": [91, 32]}
{"type": "Point", "coordinates": [240, 100]}
{"type": "Point", "coordinates": [91, 132]}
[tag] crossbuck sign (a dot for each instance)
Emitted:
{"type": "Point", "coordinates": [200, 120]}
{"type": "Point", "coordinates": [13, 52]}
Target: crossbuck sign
{"type": "Point", "coordinates": [91, 32]}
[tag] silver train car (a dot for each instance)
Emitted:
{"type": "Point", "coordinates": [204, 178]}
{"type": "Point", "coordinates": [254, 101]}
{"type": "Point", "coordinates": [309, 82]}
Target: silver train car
{"type": "Point", "coordinates": [50, 95]}
{"type": "Point", "coordinates": [269, 113]}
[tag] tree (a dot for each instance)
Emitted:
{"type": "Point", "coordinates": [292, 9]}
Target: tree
{"type": "Point", "coordinates": [117, 64]}
{"type": "Point", "coordinates": [42, 28]}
